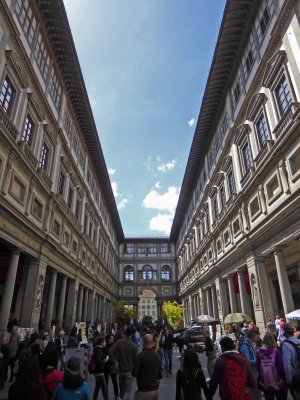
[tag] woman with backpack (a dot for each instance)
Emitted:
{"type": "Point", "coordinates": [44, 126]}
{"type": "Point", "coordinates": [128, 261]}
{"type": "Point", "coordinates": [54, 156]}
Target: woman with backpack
{"type": "Point", "coordinates": [270, 368]}
{"type": "Point", "coordinates": [190, 380]}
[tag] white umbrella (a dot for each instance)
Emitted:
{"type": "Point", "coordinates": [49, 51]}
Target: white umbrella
{"type": "Point", "coordinates": [204, 319]}
{"type": "Point", "coordinates": [294, 315]}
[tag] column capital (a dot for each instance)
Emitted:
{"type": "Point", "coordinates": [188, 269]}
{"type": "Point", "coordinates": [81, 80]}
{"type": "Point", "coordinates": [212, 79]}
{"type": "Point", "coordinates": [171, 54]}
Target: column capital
{"type": "Point", "coordinates": [240, 271]}
{"type": "Point", "coordinates": [64, 277]}
{"type": "Point", "coordinates": [277, 250]}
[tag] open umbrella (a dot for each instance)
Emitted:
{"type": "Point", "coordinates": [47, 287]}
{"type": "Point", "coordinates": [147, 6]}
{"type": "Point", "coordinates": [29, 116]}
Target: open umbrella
{"type": "Point", "coordinates": [236, 318]}
{"type": "Point", "coordinates": [294, 315]}
{"type": "Point", "coordinates": [204, 319]}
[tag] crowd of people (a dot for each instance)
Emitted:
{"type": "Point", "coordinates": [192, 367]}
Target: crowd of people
{"type": "Point", "coordinates": [241, 364]}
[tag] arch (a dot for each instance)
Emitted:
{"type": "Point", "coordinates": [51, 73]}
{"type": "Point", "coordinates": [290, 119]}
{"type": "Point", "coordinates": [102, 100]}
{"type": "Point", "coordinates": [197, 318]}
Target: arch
{"type": "Point", "coordinates": [128, 273]}
{"type": "Point", "coordinates": [147, 272]}
{"type": "Point", "coordinates": [166, 273]}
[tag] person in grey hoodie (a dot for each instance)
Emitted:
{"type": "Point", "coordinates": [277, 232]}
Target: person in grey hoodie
{"type": "Point", "coordinates": [124, 352]}
{"type": "Point", "coordinates": [13, 344]}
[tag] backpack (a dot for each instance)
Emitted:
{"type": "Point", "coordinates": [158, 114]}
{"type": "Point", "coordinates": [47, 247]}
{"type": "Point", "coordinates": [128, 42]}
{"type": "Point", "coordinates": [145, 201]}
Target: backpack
{"type": "Point", "coordinates": [269, 377]}
{"type": "Point", "coordinates": [296, 377]}
{"type": "Point", "coordinates": [92, 363]}
{"type": "Point", "coordinates": [233, 386]}
{"type": "Point", "coordinates": [190, 387]}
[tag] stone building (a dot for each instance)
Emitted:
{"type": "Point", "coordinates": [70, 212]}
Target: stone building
{"type": "Point", "coordinates": [237, 224]}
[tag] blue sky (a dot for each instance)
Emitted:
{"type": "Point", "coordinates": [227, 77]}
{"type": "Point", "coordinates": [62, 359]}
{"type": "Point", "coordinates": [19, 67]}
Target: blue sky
{"type": "Point", "coordinates": [145, 65]}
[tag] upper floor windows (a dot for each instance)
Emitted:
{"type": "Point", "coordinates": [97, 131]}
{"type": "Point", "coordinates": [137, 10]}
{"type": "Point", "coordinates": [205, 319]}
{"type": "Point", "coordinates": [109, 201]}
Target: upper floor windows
{"type": "Point", "coordinates": [247, 155]}
{"type": "Point", "coordinates": [61, 183]}
{"type": "Point", "coordinates": [54, 89]}
{"type": "Point", "coordinates": [230, 182]}
{"type": "Point", "coordinates": [222, 197]}
{"type": "Point", "coordinates": [7, 95]}
{"type": "Point", "coordinates": [128, 273]}
{"type": "Point", "coordinates": [166, 273]}
{"type": "Point", "coordinates": [41, 57]}
{"type": "Point", "coordinates": [70, 197]}
{"type": "Point", "coordinates": [28, 130]}
{"type": "Point", "coordinates": [215, 208]}
{"type": "Point", "coordinates": [26, 18]}
{"type": "Point", "coordinates": [262, 129]}
{"type": "Point", "coordinates": [263, 19]}
{"type": "Point", "coordinates": [147, 272]}
{"type": "Point", "coordinates": [283, 94]}
{"type": "Point", "coordinates": [44, 156]}
{"type": "Point", "coordinates": [249, 58]}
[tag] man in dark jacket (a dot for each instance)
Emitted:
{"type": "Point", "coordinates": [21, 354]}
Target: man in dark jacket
{"type": "Point", "coordinates": [147, 371]}
{"type": "Point", "coordinates": [101, 359]}
{"type": "Point", "coordinates": [167, 345]}
{"type": "Point", "coordinates": [124, 352]}
{"type": "Point", "coordinates": [60, 344]}
{"type": "Point", "coordinates": [229, 363]}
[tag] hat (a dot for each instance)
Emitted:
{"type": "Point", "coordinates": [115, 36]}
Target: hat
{"type": "Point", "coordinates": [72, 366]}
{"type": "Point", "coordinates": [270, 319]}
{"type": "Point", "coordinates": [288, 328]}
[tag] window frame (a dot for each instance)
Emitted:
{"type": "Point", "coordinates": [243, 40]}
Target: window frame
{"type": "Point", "coordinates": [29, 142]}
{"type": "Point", "coordinates": [166, 270]}
{"type": "Point", "coordinates": [12, 97]}
{"type": "Point", "coordinates": [128, 273]}
{"type": "Point", "coordinates": [261, 113]}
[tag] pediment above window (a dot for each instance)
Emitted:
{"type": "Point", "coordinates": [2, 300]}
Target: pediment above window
{"type": "Point", "coordinates": [254, 105]}
{"type": "Point", "coordinates": [273, 66]}
{"type": "Point", "coordinates": [242, 131]}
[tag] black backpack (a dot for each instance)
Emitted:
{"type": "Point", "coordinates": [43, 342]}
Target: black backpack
{"type": "Point", "coordinates": [296, 377]}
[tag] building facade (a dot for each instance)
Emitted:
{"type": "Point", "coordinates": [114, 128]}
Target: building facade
{"type": "Point", "coordinates": [237, 224]}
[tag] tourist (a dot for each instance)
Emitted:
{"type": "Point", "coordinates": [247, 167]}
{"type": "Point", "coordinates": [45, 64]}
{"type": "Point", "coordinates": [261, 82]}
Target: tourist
{"type": "Point", "coordinates": [270, 369]}
{"type": "Point", "coordinates": [147, 370]}
{"type": "Point", "coordinates": [101, 358]}
{"type": "Point", "coordinates": [210, 352]}
{"type": "Point", "coordinates": [50, 376]}
{"type": "Point", "coordinates": [124, 352]}
{"type": "Point", "coordinates": [291, 355]}
{"type": "Point", "coordinates": [190, 380]}
{"type": "Point", "coordinates": [232, 373]}
{"type": "Point", "coordinates": [27, 385]}
{"type": "Point", "coordinates": [134, 338]}
{"type": "Point", "coordinates": [73, 387]}
{"type": "Point", "coordinates": [13, 345]}
{"type": "Point", "coordinates": [277, 323]}
{"type": "Point", "coordinates": [45, 341]}
{"type": "Point", "coordinates": [60, 344]}
{"type": "Point", "coordinates": [115, 332]}
{"type": "Point", "coordinates": [110, 368]}
{"type": "Point", "coordinates": [167, 345]}
{"type": "Point", "coordinates": [248, 350]}
{"type": "Point", "coordinates": [271, 327]}
{"type": "Point", "coordinates": [4, 360]}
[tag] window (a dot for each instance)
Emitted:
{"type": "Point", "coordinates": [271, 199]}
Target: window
{"type": "Point", "coordinates": [128, 273]}
{"type": "Point", "coordinates": [249, 58]}
{"type": "Point", "coordinates": [262, 130]}
{"type": "Point", "coordinates": [222, 197]}
{"type": "Point", "coordinates": [231, 183]}
{"type": "Point", "coordinates": [129, 248]}
{"type": "Point", "coordinates": [247, 156]}
{"type": "Point", "coordinates": [283, 95]}
{"type": "Point", "coordinates": [61, 183]}
{"type": "Point", "coordinates": [147, 272]}
{"type": "Point", "coordinates": [26, 19]}
{"type": "Point", "coordinates": [41, 57]}
{"type": "Point", "coordinates": [70, 197]}
{"type": "Point", "coordinates": [68, 123]}
{"type": "Point", "coordinates": [215, 208]}
{"type": "Point", "coordinates": [44, 156]}
{"type": "Point", "coordinates": [7, 95]}
{"type": "Point", "coordinates": [77, 209]}
{"type": "Point", "coordinates": [54, 89]}
{"type": "Point", "coordinates": [262, 24]}
{"type": "Point", "coordinates": [28, 130]}
{"type": "Point", "coordinates": [166, 273]}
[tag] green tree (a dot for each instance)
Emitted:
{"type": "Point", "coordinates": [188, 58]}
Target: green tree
{"type": "Point", "coordinates": [124, 313]}
{"type": "Point", "coordinates": [173, 313]}
{"type": "Point", "coordinates": [147, 319]}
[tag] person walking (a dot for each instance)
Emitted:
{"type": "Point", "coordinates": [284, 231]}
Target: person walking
{"type": "Point", "coordinates": [270, 369]}
{"type": "Point", "coordinates": [73, 387]}
{"type": "Point", "coordinates": [110, 368]}
{"type": "Point", "coordinates": [60, 344]}
{"type": "Point", "coordinates": [50, 376]}
{"type": "Point", "coordinates": [232, 373]}
{"type": "Point", "coordinates": [147, 370]}
{"type": "Point", "coordinates": [247, 348]}
{"type": "Point", "coordinates": [210, 352]}
{"type": "Point", "coordinates": [167, 345]}
{"type": "Point", "coordinates": [124, 353]}
{"type": "Point", "coordinates": [101, 358]}
{"type": "Point", "coordinates": [190, 380]}
{"type": "Point", "coordinates": [291, 360]}
{"type": "Point", "coordinates": [13, 345]}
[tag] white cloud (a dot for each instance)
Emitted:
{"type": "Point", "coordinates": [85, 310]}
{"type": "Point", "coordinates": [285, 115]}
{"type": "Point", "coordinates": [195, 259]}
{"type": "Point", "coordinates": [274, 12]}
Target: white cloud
{"type": "Point", "coordinates": [168, 166]}
{"type": "Point", "coordinates": [161, 223]}
{"type": "Point", "coordinates": [157, 185]}
{"type": "Point", "coordinates": [191, 122]}
{"type": "Point", "coordinates": [112, 171]}
{"type": "Point", "coordinates": [122, 204]}
{"type": "Point", "coordinates": [167, 201]}
{"type": "Point", "coordinates": [114, 186]}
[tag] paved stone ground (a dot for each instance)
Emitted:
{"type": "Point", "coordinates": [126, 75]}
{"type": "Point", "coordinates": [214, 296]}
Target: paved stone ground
{"type": "Point", "coordinates": [167, 385]}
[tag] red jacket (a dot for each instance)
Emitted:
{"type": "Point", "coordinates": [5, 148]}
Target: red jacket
{"type": "Point", "coordinates": [50, 378]}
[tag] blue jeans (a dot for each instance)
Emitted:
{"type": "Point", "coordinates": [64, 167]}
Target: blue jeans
{"type": "Point", "coordinates": [125, 382]}
{"type": "Point", "coordinates": [168, 354]}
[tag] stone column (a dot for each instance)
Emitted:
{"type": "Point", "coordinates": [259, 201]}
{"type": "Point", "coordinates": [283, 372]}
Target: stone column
{"type": "Point", "coordinates": [283, 279]}
{"type": "Point", "coordinates": [85, 304]}
{"type": "Point", "coordinates": [222, 298]}
{"type": "Point", "coordinates": [8, 290]}
{"type": "Point", "coordinates": [264, 291]}
{"type": "Point", "coordinates": [50, 302]}
{"type": "Point", "coordinates": [209, 302]}
{"type": "Point", "coordinates": [232, 295]}
{"type": "Point", "coordinates": [100, 310]}
{"type": "Point", "coordinates": [203, 302]}
{"type": "Point", "coordinates": [29, 293]}
{"type": "Point", "coordinates": [61, 303]}
{"type": "Point", "coordinates": [243, 294]}
{"type": "Point", "coordinates": [91, 306]}
{"type": "Point", "coordinates": [214, 302]}
{"type": "Point", "coordinates": [79, 307]}
{"type": "Point", "coordinates": [104, 316]}
{"type": "Point", "coordinates": [96, 313]}
{"type": "Point", "coordinates": [71, 305]}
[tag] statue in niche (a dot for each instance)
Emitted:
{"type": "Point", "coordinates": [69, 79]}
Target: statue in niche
{"type": "Point", "coordinates": [254, 291]}
{"type": "Point", "coordinates": [219, 300]}
{"type": "Point", "coordinates": [39, 292]}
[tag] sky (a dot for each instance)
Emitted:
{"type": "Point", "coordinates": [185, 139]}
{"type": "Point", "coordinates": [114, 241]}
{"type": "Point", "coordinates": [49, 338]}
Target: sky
{"type": "Point", "coordinates": [145, 64]}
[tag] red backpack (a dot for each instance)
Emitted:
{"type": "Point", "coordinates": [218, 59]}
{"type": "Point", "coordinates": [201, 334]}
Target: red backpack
{"type": "Point", "coordinates": [92, 364]}
{"type": "Point", "coordinates": [233, 386]}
